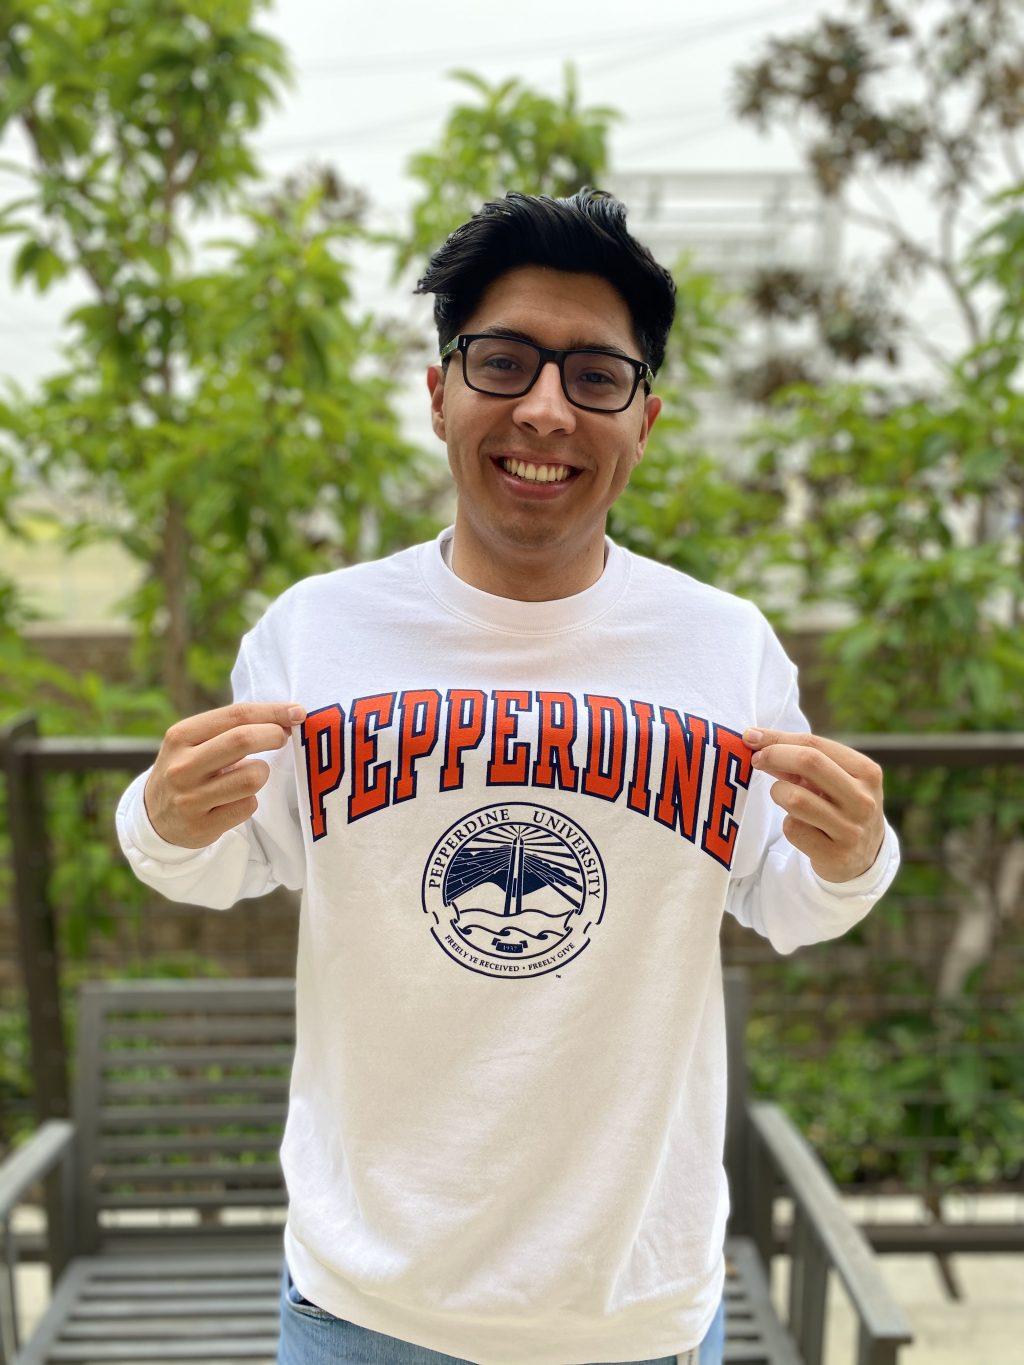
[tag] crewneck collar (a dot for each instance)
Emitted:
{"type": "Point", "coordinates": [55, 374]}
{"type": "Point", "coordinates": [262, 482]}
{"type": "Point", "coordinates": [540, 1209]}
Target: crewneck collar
{"type": "Point", "coordinates": [508, 613]}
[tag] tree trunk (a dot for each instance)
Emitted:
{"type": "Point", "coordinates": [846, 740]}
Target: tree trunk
{"type": "Point", "coordinates": [176, 640]}
{"type": "Point", "coordinates": [989, 880]}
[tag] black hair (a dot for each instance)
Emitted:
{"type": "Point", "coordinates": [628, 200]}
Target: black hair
{"type": "Point", "coordinates": [583, 233]}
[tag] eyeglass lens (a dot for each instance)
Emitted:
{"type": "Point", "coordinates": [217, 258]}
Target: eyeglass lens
{"type": "Point", "coordinates": [505, 368]}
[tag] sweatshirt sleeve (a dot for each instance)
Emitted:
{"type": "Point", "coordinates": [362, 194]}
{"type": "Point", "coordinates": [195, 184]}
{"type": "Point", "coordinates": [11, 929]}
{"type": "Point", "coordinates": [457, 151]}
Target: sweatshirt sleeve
{"type": "Point", "coordinates": [251, 859]}
{"type": "Point", "coordinates": [773, 888]}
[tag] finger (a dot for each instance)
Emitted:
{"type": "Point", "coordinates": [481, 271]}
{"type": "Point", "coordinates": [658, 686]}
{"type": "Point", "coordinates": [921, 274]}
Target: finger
{"type": "Point", "coordinates": [850, 760]}
{"type": "Point", "coordinates": [241, 782]}
{"type": "Point", "coordinates": [231, 767]}
{"type": "Point", "coordinates": [832, 784]}
{"type": "Point", "coordinates": [812, 764]}
{"type": "Point", "coordinates": [799, 780]}
{"type": "Point", "coordinates": [232, 814]}
{"type": "Point", "coordinates": [208, 724]}
{"type": "Point", "coordinates": [809, 768]}
{"type": "Point", "coordinates": [764, 760]}
{"type": "Point", "coordinates": [810, 809]}
{"type": "Point", "coordinates": [225, 751]}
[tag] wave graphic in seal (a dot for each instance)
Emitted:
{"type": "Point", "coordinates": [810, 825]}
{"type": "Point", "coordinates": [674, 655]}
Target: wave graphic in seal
{"type": "Point", "coordinates": [478, 925]}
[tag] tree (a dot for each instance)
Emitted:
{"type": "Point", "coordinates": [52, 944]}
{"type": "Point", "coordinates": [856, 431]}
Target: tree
{"type": "Point", "coordinates": [237, 421]}
{"type": "Point", "coordinates": [516, 139]}
{"type": "Point", "coordinates": [921, 95]}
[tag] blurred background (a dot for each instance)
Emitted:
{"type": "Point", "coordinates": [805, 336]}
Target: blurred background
{"type": "Point", "coordinates": [212, 384]}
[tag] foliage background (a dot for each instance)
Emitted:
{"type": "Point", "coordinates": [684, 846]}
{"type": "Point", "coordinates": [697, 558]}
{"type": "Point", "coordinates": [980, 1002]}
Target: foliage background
{"type": "Point", "coordinates": [239, 424]}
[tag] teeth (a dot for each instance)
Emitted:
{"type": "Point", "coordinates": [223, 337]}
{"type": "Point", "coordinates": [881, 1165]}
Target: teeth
{"type": "Point", "coordinates": [544, 473]}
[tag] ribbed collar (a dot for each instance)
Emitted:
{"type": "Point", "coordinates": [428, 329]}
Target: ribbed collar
{"type": "Point", "coordinates": [508, 613]}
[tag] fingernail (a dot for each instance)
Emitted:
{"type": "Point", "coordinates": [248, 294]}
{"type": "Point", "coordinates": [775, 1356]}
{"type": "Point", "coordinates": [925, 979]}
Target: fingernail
{"type": "Point", "coordinates": [753, 736]}
{"type": "Point", "coordinates": [295, 714]}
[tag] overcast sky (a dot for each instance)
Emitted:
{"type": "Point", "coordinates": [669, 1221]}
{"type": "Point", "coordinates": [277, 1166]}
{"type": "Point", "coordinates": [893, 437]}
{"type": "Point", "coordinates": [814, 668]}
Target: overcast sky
{"type": "Point", "coordinates": [371, 89]}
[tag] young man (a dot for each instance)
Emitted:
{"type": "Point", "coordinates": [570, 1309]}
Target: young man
{"type": "Point", "coordinates": [517, 804]}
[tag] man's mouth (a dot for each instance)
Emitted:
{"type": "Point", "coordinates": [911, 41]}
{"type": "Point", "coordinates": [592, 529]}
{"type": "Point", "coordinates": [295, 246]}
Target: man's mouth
{"type": "Point", "coordinates": [528, 471]}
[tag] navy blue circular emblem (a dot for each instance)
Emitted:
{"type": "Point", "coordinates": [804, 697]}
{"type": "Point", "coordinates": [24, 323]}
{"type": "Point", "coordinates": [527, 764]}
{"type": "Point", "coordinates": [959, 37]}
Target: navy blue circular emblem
{"type": "Point", "coordinates": [514, 889]}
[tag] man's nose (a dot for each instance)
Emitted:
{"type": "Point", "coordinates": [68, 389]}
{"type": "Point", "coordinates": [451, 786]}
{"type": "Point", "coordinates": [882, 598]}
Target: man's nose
{"type": "Point", "coordinates": [545, 393]}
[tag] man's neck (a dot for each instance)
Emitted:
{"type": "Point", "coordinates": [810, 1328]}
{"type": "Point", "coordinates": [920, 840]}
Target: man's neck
{"type": "Point", "coordinates": [529, 577]}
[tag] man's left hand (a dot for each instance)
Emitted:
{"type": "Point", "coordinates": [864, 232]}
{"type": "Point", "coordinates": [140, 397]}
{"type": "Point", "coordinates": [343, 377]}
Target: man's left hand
{"type": "Point", "coordinates": [834, 798]}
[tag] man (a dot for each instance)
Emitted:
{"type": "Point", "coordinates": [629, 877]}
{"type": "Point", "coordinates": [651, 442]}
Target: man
{"type": "Point", "coordinates": [521, 795]}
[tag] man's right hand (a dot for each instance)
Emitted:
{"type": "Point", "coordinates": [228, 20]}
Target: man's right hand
{"type": "Point", "coordinates": [198, 789]}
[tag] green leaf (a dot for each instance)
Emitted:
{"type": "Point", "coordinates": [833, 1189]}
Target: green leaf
{"type": "Point", "coordinates": [25, 261]}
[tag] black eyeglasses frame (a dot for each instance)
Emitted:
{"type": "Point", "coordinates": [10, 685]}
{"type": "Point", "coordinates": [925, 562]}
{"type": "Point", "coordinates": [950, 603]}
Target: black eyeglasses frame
{"type": "Point", "coordinates": [546, 353]}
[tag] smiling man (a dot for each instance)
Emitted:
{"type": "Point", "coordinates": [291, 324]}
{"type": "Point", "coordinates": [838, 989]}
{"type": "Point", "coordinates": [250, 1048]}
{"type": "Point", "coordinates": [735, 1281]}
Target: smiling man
{"type": "Point", "coordinates": [519, 792]}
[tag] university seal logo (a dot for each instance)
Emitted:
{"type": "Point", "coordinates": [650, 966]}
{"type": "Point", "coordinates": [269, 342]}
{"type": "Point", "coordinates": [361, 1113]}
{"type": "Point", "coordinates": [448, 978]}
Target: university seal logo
{"type": "Point", "coordinates": [514, 889]}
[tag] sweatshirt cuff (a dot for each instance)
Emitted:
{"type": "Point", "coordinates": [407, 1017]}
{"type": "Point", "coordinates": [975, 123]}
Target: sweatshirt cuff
{"type": "Point", "coordinates": [873, 880]}
{"type": "Point", "coordinates": [134, 827]}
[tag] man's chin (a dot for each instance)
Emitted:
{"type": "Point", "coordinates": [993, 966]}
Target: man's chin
{"type": "Point", "coordinates": [520, 530]}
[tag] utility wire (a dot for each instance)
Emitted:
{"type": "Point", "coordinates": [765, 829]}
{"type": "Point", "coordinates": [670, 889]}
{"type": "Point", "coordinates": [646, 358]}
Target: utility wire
{"type": "Point", "coordinates": [399, 128]}
{"type": "Point", "coordinates": [372, 64]}
{"type": "Point", "coordinates": [649, 47]}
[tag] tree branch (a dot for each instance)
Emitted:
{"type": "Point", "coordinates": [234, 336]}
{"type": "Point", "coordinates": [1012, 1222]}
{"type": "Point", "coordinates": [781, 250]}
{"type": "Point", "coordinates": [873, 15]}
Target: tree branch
{"type": "Point", "coordinates": [1009, 150]}
{"type": "Point", "coordinates": [938, 263]}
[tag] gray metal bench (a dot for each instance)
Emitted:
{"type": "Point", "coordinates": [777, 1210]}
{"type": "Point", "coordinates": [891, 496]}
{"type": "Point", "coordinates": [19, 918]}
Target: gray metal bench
{"type": "Point", "coordinates": [181, 1091]}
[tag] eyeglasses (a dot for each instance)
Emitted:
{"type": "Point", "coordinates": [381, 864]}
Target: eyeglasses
{"type": "Point", "coordinates": [598, 381]}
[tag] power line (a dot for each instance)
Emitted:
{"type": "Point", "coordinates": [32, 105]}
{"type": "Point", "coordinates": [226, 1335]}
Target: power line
{"type": "Point", "coordinates": [370, 131]}
{"type": "Point", "coordinates": [410, 121]}
{"type": "Point", "coordinates": [371, 64]}
{"type": "Point", "coordinates": [407, 122]}
{"type": "Point", "coordinates": [648, 47]}
{"type": "Point", "coordinates": [673, 139]}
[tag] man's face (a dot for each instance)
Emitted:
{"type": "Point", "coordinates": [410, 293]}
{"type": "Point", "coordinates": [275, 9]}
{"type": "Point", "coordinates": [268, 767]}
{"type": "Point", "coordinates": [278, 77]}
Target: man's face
{"type": "Point", "coordinates": [558, 309]}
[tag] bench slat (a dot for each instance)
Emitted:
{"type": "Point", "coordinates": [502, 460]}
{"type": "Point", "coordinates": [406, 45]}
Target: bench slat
{"type": "Point", "coordinates": [228, 1056]}
{"type": "Point", "coordinates": [197, 1321]}
{"type": "Point", "coordinates": [132, 1115]}
{"type": "Point", "coordinates": [263, 1030]}
{"type": "Point", "coordinates": [260, 1348]}
{"type": "Point", "coordinates": [187, 1086]}
{"type": "Point", "coordinates": [129, 1308]}
{"type": "Point", "coordinates": [261, 994]}
{"type": "Point", "coordinates": [142, 1145]}
{"type": "Point", "coordinates": [126, 1173]}
{"type": "Point", "coordinates": [198, 1241]}
{"type": "Point", "coordinates": [196, 1199]}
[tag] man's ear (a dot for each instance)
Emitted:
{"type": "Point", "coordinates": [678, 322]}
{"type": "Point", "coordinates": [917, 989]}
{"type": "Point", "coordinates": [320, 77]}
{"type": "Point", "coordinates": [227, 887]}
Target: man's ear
{"type": "Point", "coordinates": [651, 409]}
{"type": "Point", "coordinates": [435, 383]}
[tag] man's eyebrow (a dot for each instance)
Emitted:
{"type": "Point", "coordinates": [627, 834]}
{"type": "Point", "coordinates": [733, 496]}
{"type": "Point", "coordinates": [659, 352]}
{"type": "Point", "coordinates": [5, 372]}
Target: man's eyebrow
{"type": "Point", "coordinates": [499, 329]}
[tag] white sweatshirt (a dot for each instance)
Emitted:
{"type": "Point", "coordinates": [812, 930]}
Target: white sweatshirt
{"type": "Point", "coordinates": [515, 826]}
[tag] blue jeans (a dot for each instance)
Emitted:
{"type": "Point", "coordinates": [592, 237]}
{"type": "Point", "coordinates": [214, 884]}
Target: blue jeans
{"type": "Point", "coordinates": [312, 1336]}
